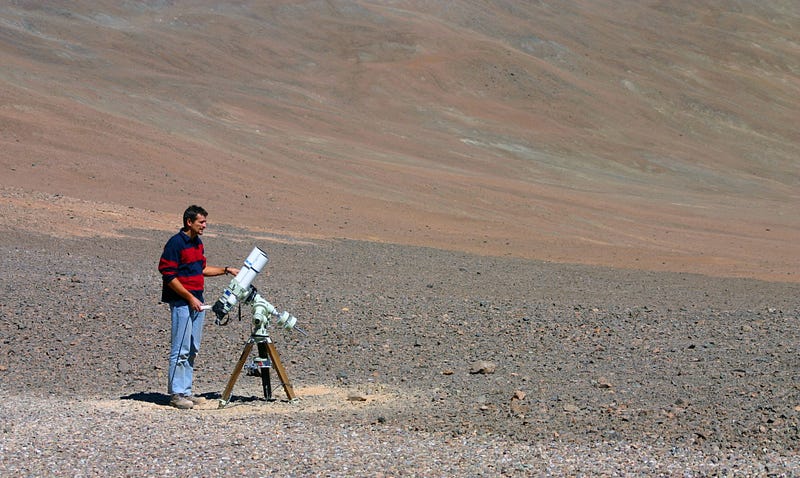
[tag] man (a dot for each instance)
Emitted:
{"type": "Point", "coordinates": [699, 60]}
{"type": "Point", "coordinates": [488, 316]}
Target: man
{"type": "Point", "coordinates": [183, 270]}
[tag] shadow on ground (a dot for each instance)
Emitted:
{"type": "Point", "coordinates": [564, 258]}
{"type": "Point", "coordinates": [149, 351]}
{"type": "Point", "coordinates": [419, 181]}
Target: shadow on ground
{"type": "Point", "coordinates": [149, 397]}
{"type": "Point", "coordinates": [157, 398]}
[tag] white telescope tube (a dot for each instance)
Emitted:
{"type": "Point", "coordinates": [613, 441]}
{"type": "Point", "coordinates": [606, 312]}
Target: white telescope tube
{"type": "Point", "coordinates": [240, 286]}
{"type": "Point", "coordinates": [252, 267]}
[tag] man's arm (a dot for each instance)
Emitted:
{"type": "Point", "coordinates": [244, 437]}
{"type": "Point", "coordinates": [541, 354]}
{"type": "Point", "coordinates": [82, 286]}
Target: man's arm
{"type": "Point", "coordinates": [211, 271]}
{"type": "Point", "coordinates": [179, 289]}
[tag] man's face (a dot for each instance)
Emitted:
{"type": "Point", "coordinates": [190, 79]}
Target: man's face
{"type": "Point", "coordinates": [197, 226]}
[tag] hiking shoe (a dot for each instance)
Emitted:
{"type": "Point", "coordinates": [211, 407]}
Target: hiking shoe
{"type": "Point", "coordinates": [180, 402]}
{"type": "Point", "coordinates": [196, 400]}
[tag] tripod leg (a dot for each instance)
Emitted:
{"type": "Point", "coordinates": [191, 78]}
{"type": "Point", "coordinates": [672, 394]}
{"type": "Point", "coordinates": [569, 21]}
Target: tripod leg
{"type": "Point", "coordinates": [276, 361]}
{"type": "Point", "coordinates": [266, 384]}
{"type": "Point", "coordinates": [226, 395]}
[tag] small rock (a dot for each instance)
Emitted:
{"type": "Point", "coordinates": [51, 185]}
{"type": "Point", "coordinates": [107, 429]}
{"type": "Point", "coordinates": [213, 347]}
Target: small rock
{"type": "Point", "coordinates": [703, 434]}
{"type": "Point", "coordinates": [357, 397]}
{"type": "Point", "coordinates": [517, 406]}
{"type": "Point", "coordinates": [483, 367]}
{"type": "Point", "coordinates": [603, 382]}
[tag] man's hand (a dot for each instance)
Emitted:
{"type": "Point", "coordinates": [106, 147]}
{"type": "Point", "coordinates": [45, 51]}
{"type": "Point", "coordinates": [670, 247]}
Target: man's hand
{"type": "Point", "coordinates": [195, 304]}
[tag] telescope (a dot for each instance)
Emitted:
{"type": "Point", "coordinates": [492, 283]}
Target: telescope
{"type": "Point", "coordinates": [241, 291]}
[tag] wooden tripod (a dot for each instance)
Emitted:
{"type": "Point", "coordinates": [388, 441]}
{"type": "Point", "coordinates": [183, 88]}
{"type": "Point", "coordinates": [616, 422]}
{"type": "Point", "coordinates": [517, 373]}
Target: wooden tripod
{"type": "Point", "coordinates": [267, 357]}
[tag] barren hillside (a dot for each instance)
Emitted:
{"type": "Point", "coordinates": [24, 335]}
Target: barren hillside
{"type": "Point", "coordinates": [624, 133]}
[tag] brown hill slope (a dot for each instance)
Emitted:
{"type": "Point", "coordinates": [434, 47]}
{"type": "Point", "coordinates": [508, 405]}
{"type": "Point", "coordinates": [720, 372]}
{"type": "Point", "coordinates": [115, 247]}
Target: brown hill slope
{"type": "Point", "coordinates": [624, 133]}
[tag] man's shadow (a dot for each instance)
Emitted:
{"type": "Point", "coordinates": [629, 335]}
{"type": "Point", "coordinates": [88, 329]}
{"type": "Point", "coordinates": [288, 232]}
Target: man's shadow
{"type": "Point", "coordinates": [149, 397]}
{"type": "Point", "coordinates": [157, 398]}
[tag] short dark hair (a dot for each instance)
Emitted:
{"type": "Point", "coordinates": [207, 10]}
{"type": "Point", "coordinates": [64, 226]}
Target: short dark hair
{"type": "Point", "coordinates": [191, 213]}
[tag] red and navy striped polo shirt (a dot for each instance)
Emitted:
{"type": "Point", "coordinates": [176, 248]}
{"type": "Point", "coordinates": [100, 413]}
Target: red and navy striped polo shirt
{"type": "Point", "coordinates": [183, 259]}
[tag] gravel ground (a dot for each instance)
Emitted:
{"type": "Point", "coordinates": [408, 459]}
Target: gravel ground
{"type": "Point", "coordinates": [418, 362]}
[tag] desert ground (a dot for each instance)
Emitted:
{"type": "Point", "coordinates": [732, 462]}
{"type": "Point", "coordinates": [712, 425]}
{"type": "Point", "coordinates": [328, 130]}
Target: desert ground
{"type": "Point", "coordinates": [523, 238]}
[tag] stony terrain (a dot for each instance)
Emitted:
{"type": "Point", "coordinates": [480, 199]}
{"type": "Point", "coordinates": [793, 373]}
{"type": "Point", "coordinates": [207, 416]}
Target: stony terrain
{"type": "Point", "coordinates": [525, 238]}
{"type": "Point", "coordinates": [418, 362]}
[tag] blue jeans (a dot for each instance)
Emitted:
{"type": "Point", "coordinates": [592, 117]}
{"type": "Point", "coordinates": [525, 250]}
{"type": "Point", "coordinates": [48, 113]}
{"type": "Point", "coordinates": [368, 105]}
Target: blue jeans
{"type": "Point", "coordinates": [187, 330]}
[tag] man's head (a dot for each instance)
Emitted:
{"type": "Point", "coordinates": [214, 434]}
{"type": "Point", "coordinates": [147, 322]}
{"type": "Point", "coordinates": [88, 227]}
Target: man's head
{"type": "Point", "coordinates": [194, 220]}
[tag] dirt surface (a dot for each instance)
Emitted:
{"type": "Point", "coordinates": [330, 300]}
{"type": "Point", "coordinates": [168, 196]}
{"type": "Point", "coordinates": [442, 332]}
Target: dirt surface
{"type": "Point", "coordinates": [525, 238]}
{"type": "Point", "coordinates": [418, 362]}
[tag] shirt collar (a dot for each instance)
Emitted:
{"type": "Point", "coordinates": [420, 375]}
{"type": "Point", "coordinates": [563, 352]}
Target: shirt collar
{"type": "Point", "coordinates": [186, 238]}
